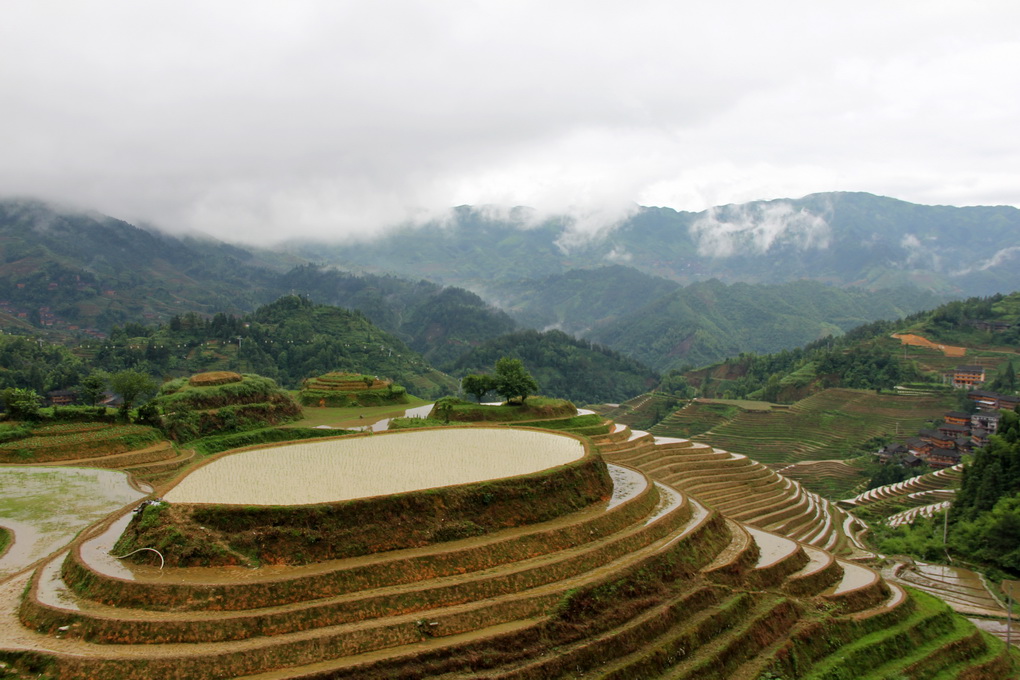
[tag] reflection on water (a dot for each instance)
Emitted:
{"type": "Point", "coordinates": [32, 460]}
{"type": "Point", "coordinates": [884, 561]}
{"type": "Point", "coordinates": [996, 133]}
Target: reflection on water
{"type": "Point", "coordinates": [384, 424]}
{"type": "Point", "coordinates": [47, 506]}
{"type": "Point", "coordinates": [626, 484]}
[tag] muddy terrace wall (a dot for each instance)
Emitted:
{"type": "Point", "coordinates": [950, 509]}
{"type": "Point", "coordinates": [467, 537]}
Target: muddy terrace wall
{"type": "Point", "coordinates": [207, 535]}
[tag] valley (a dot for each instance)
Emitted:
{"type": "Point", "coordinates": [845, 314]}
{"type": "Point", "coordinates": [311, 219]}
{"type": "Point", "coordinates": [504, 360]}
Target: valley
{"type": "Point", "coordinates": [726, 511]}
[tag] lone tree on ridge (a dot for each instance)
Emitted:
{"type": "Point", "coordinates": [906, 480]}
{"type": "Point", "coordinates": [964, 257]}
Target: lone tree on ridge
{"type": "Point", "coordinates": [478, 385]}
{"type": "Point", "coordinates": [512, 380]}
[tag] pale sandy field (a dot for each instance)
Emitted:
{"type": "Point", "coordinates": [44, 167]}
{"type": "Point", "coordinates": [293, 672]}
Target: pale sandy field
{"type": "Point", "coordinates": [322, 472]}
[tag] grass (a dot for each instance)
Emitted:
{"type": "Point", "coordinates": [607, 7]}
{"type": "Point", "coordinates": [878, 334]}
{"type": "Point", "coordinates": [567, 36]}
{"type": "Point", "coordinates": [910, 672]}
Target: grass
{"type": "Point", "coordinates": [55, 503]}
{"type": "Point", "coordinates": [743, 404]}
{"type": "Point", "coordinates": [350, 417]}
{"type": "Point", "coordinates": [5, 539]}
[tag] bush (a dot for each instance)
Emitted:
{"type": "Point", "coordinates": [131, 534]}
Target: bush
{"type": "Point", "coordinates": [21, 404]}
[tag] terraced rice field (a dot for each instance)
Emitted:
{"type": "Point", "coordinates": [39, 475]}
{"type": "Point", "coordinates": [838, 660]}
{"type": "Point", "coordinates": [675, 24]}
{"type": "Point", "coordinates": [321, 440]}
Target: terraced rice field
{"type": "Point", "coordinates": [46, 507]}
{"type": "Point", "coordinates": [825, 426]}
{"type": "Point", "coordinates": [739, 487]}
{"type": "Point", "coordinates": [927, 489]}
{"type": "Point", "coordinates": [964, 590]}
{"type": "Point", "coordinates": [829, 478]}
{"type": "Point", "coordinates": [693, 595]}
{"type": "Point", "coordinates": [377, 465]}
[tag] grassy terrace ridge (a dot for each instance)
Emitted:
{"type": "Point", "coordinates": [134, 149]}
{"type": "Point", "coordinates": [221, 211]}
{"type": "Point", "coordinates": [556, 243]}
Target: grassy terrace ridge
{"type": "Point", "coordinates": [534, 409]}
{"type": "Point", "coordinates": [72, 441]}
{"type": "Point", "coordinates": [830, 425]}
{"type": "Point", "coordinates": [350, 389]}
{"type": "Point", "coordinates": [658, 585]}
{"type": "Point", "coordinates": [208, 404]}
{"type": "Point", "coordinates": [199, 528]}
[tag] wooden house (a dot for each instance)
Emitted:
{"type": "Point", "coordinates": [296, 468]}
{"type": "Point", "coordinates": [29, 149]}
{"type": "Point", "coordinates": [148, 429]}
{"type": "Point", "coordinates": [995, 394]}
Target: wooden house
{"type": "Point", "coordinates": [968, 376]}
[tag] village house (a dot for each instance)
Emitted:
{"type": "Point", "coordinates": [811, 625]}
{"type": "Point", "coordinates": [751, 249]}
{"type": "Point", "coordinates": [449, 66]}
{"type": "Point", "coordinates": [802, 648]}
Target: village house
{"type": "Point", "coordinates": [919, 447]}
{"type": "Point", "coordinates": [993, 401]}
{"type": "Point", "coordinates": [937, 439]}
{"type": "Point", "coordinates": [943, 458]}
{"type": "Point", "coordinates": [957, 418]}
{"type": "Point", "coordinates": [968, 376]}
{"type": "Point", "coordinates": [985, 420]}
{"type": "Point", "coordinates": [953, 431]}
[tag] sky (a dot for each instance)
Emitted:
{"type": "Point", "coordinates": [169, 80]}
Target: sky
{"type": "Point", "coordinates": [260, 121]}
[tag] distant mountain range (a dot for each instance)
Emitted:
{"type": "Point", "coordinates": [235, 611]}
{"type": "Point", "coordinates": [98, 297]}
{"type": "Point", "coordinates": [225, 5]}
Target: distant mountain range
{"type": "Point", "coordinates": [846, 239]}
{"type": "Point", "coordinates": [665, 288]}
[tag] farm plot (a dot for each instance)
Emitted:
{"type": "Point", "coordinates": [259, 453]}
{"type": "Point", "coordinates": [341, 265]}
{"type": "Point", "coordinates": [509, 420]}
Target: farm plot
{"type": "Point", "coordinates": [46, 507]}
{"type": "Point", "coordinates": [364, 466]}
{"type": "Point", "coordinates": [825, 426]}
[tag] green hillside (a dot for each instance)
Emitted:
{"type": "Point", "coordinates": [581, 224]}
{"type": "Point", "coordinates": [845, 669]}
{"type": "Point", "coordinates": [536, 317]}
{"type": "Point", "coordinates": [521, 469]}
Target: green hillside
{"type": "Point", "coordinates": [564, 366]}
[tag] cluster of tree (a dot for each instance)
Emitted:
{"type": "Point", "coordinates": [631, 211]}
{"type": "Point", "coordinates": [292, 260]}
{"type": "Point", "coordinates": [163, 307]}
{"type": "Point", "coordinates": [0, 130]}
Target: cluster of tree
{"type": "Point", "coordinates": [23, 403]}
{"type": "Point", "coordinates": [864, 368]}
{"type": "Point", "coordinates": [850, 360]}
{"type": "Point", "coordinates": [36, 365]}
{"type": "Point", "coordinates": [985, 516]}
{"type": "Point", "coordinates": [510, 381]}
{"type": "Point", "coordinates": [566, 367]}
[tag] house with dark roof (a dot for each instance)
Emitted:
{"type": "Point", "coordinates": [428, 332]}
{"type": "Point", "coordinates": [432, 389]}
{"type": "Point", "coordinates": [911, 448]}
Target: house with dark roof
{"type": "Point", "coordinates": [943, 458]}
{"type": "Point", "coordinates": [985, 420]}
{"type": "Point", "coordinates": [953, 431]}
{"type": "Point", "coordinates": [957, 418]}
{"type": "Point", "coordinates": [968, 376]}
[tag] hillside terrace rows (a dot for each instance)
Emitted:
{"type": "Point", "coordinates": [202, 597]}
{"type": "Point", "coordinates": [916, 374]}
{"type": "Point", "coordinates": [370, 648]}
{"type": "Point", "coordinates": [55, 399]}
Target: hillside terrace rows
{"type": "Point", "coordinates": [834, 478]}
{"type": "Point", "coordinates": [817, 427]}
{"type": "Point", "coordinates": [964, 590]}
{"type": "Point", "coordinates": [913, 488]}
{"type": "Point", "coordinates": [652, 583]}
{"type": "Point", "coordinates": [736, 486]}
{"type": "Point", "coordinates": [441, 607]}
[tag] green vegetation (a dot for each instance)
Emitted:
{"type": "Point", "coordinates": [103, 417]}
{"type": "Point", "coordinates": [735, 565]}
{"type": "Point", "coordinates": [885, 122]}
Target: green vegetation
{"type": "Point", "coordinates": [985, 515]}
{"type": "Point", "coordinates": [268, 435]}
{"type": "Point", "coordinates": [537, 408]}
{"type": "Point", "coordinates": [5, 540]}
{"type": "Point", "coordinates": [350, 389]}
{"type": "Point", "coordinates": [190, 410]}
{"type": "Point", "coordinates": [564, 366]}
{"type": "Point", "coordinates": [709, 321]}
{"type": "Point", "coordinates": [21, 404]}
{"type": "Point", "coordinates": [69, 441]}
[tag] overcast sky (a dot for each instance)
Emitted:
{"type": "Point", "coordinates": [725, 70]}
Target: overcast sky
{"type": "Point", "coordinates": [259, 121]}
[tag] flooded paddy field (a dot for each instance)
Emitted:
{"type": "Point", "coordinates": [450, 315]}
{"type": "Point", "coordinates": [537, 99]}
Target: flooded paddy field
{"type": "Point", "coordinates": [962, 589]}
{"type": "Point", "coordinates": [365, 466]}
{"type": "Point", "coordinates": [46, 507]}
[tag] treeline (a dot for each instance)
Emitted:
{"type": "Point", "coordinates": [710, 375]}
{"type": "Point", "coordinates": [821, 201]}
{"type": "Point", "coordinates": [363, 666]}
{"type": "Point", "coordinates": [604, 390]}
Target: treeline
{"type": "Point", "coordinates": [985, 515]}
{"type": "Point", "coordinates": [564, 366]}
{"type": "Point", "coordinates": [851, 360]}
{"type": "Point", "coordinates": [288, 341]}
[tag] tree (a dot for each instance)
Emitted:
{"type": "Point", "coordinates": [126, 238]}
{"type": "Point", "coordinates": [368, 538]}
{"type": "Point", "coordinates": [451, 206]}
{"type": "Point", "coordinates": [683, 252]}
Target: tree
{"type": "Point", "coordinates": [92, 387]}
{"type": "Point", "coordinates": [478, 385]}
{"type": "Point", "coordinates": [130, 385]}
{"type": "Point", "coordinates": [21, 403]}
{"type": "Point", "coordinates": [513, 381]}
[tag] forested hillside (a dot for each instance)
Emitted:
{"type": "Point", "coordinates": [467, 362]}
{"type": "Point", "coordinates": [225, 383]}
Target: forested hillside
{"type": "Point", "coordinates": [870, 357]}
{"type": "Point", "coordinates": [842, 238]}
{"type": "Point", "coordinates": [564, 366]}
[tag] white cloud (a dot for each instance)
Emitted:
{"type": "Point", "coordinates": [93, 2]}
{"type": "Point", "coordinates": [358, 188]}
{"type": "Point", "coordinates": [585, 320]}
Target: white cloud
{"type": "Point", "coordinates": [263, 120]}
{"type": "Point", "coordinates": [756, 229]}
{"type": "Point", "coordinates": [999, 258]}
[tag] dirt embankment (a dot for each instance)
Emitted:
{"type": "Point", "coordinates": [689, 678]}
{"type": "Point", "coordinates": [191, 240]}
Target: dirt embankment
{"type": "Point", "coordinates": [919, 341]}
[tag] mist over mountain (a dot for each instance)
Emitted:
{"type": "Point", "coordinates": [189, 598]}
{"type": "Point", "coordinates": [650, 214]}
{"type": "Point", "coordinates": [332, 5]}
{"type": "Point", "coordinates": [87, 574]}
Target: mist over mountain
{"type": "Point", "coordinates": [841, 238]}
{"type": "Point", "coordinates": [663, 288]}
